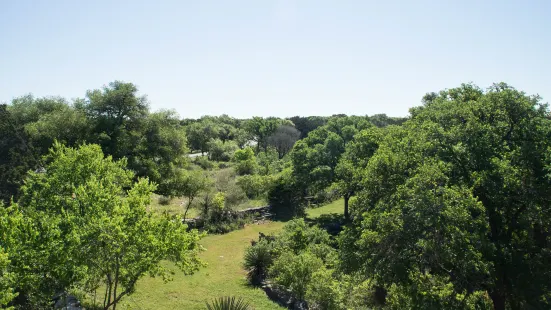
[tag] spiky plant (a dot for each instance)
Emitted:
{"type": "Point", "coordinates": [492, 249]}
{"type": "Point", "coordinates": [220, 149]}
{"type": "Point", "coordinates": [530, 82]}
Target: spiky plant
{"type": "Point", "coordinates": [258, 258]}
{"type": "Point", "coordinates": [228, 303]}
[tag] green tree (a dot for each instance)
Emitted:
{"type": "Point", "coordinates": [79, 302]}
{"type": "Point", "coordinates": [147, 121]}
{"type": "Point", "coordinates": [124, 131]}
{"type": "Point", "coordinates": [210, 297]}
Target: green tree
{"type": "Point", "coordinates": [162, 150]}
{"type": "Point", "coordinates": [221, 151]}
{"type": "Point", "coordinates": [200, 133]}
{"type": "Point", "coordinates": [189, 184]}
{"type": "Point", "coordinates": [84, 224]}
{"type": "Point", "coordinates": [349, 170]}
{"type": "Point", "coordinates": [461, 193]}
{"type": "Point", "coordinates": [7, 284]}
{"type": "Point", "coordinates": [17, 155]}
{"type": "Point", "coordinates": [245, 161]}
{"type": "Point", "coordinates": [307, 124]}
{"type": "Point", "coordinates": [283, 139]}
{"type": "Point", "coordinates": [117, 115]}
{"type": "Point", "coordinates": [261, 128]}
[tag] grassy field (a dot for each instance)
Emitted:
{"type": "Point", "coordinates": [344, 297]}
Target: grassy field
{"type": "Point", "coordinates": [224, 275]}
{"type": "Point", "coordinates": [336, 207]}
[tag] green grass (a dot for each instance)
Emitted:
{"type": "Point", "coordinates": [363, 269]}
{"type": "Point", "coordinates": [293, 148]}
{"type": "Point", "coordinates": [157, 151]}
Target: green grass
{"type": "Point", "coordinates": [336, 207]}
{"type": "Point", "coordinates": [224, 275]}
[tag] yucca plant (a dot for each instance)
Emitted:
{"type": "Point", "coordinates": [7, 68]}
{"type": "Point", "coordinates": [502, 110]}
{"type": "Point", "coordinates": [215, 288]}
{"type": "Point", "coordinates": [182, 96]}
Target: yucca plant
{"type": "Point", "coordinates": [228, 303]}
{"type": "Point", "coordinates": [258, 258]}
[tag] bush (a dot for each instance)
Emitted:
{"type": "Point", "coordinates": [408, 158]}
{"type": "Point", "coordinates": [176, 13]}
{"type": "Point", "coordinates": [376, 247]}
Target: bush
{"type": "Point", "coordinates": [217, 217]}
{"type": "Point", "coordinates": [324, 292]}
{"type": "Point", "coordinates": [221, 151]}
{"type": "Point", "coordinates": [203, 162]}
{"type": "Point", "coordinates": [164, 200]}
{"type": "Point", "coordinates": [298, 236]}
{"type": "Point", "coordinates": [268, 162]}
{"type": "Point", "coordinates": [234, 195]}
{"type": "Point", "coordinates": [254, 186]}
{"type": "Point", "coordinates": [258, 258]}
{"type": "Point", "coordinates": [294, 272]}
{"type": "Point", "coordinates": [245, 162]}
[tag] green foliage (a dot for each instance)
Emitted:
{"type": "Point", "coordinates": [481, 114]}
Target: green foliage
{"type": "Point", "coordinates": [220, 151]}
{"type": "Point", "coordinates": [162, 150]}
{"type": "Point", "coordinates": [200, 133]}
{"type": "Point", "coordinates": [285, 197]}
{"type": "Point", "coordinates": [297, 236]}
{"type": "Point", "coordinates": [245, 161]}
{"type": "Point", "coordinates": [283, 139]}
{"type": "Point", "coordinates": [189, 184]}
{"type": "Point", "coordinates": [7, 284]}
{"type": "Point", "coordinates": [434, 292]}
{"type": "Point", "coordinates": [164, 200]}
{"type": "Point", "coordinates": [255, 186]}
{"type": "Point", "coordinates": [459, 193]}
{"type": "Point", "coordinates": [260, 129]}
{"type": "Point", "coordinates": [324, 292]}
{"type": "Point", "coordinates": [228, 303]}
{"type": "Point", "coordinates": [269, 163]}
{"type": "Point", "coordinates": [307, 124]}
{"type": "Point", "coordinates": [204, 162]}
{"type": "Point", "coordinates": [118, 116]}
{"type": "Point", "coordinates": [294, 272]}
{"type": "Point", "coordinates": [84, 223]}
{"type": "Point", "coordinates": [258, 258]}
{"type": "Point", "coordinates": [218, 216]}
{"type": "Point", "coordinates": [17, 155]}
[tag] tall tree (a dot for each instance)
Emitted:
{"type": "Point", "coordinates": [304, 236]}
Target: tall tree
{"type": "Point", "coordinates": [17, 155]}
{"type": "Point", "coordinates": [118, 115]}
{"type": "Point", "coordinates": [460, 194]}
{"type": "Point", "coordinates": [283, 139]}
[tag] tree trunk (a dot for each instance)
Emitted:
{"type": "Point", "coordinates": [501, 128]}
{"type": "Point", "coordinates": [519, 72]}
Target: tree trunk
{"type": "Point", "coordinates": [187, 208]}
{"type": "Point", "coordinates": [346, 213]}
{"type": "Point", "coordinates": [116, 284]}
{"type": "Point", "coordinates": [109, 286]}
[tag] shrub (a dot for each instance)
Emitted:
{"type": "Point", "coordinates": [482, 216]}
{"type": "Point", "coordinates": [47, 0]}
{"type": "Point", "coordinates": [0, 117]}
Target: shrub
{"type": "Point", "coordinates": [254, 186]}
{"type": "Point", "coordinates": [294, 272]}
{"type": "Point", "coordinates": [269, 162]}
{"type": "Point", "coordinates": [258, 258]}
{"type": "Point", "coordinates": [164, 200]}
{"type": "Point", "coordinates": [245, 162]}
{"type": "Point", "coordinates": [228, 303]}
{"type": "Point", "coordinates": [221, 151]}
{"type": "Point", "coordinates": [203, 162]}
{"type": "Point", "coordinates": [324, 292]}
{"type": "Point", "coordinates": [298, 236]}
{"type": "Point", "coordinates": [217, 217]}
{"type": "Point", "coordinates": [234, 195]}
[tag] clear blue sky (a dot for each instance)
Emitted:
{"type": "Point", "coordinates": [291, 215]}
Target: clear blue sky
{"type": "Point", "coordinates": [282, 58]}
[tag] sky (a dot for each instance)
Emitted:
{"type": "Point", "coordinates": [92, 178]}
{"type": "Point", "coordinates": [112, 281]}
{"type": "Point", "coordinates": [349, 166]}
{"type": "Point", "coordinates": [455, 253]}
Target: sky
{"type": "Point", "coordinates": [274, 57]}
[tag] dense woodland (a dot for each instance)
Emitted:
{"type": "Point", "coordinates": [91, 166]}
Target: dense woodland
{"type": "Point", "coordinates": [448, 208]}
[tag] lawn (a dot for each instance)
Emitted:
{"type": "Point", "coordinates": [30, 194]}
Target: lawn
{"type": "Point", "coordinates": [336, 207]}
{"type": "Point", "coordinates": [224, 275]}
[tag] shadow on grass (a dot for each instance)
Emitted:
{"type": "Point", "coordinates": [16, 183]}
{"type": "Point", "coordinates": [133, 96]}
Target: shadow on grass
{"type": "Point", "coordinates": [333, 223]}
